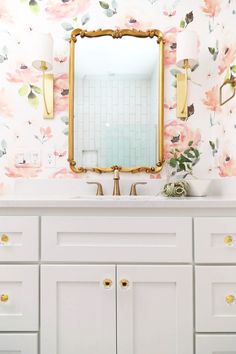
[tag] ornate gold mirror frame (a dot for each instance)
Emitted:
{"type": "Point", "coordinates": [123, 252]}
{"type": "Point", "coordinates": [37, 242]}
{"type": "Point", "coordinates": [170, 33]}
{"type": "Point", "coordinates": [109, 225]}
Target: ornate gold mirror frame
{"type": "Point", "coordinates": [119, 33]}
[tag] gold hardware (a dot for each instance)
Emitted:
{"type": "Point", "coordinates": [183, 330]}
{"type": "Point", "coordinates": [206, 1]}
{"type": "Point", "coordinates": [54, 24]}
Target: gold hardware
{"type": "Point", "coordinates": [48, 95]}
{"type": "Point", "coordinates": [230, 299]}
{"type": "Point", "coordinates": [99, 188]}
{"type": "Point", "coordinates": [133, 190]}
{"type": "Point", "coordinates": [231, 82]}
{"type": "Point", "coordinates": [4, 238]}
{"type": "Point", "coordinates": [119, 33]}
{"type": "Point", "coordinates": [4, 298]}
{"type": "Point", "coordinates": [107, 283]}
{"type": "Point", "coordinates": [182, 92]}
{"type": "Point", "coordinates": [124, 283]}
{"type": "Point", "coordinates": [228, 240]}
{"type": "Point", "coordinates": [116, 179]}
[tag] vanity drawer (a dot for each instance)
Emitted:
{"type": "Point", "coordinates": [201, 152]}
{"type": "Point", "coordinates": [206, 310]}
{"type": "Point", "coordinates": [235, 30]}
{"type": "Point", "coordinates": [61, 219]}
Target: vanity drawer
{"type": "Point", "coordinates": [215, 240]}
{"type": "Point", "coordinates": [19, 292]}
{"type": "Point", "coordinates": [212, 344]}
{"type": "Point", "coordinates": [215, 299]}
{"type": "Point", "coordinates": [116, 239]}
{"type": "Point", "coordinates": [19, 238]}
{"type": "Point", "coordinates": [18, 343]}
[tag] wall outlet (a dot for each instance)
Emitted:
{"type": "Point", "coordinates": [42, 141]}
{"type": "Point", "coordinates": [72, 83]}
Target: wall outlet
{"type": "Point", "coordinates": [50, 159]}
{"type": "Point", "coordinates": [27, 159]}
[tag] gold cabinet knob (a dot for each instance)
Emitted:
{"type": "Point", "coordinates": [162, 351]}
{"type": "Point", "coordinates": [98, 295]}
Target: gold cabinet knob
{"type": "Point", "coordinates": [228, 240]}
{"type": "Point", "coordinates": [4, 298]}
{"type": "Point", "coordinates": [107, 283]}
{"type": "Point", "coordinates": [124, 283]}
{"type": "Point", "coordinates": [230, 299]}
{"type": "Point", "coordinates": [4, 238]}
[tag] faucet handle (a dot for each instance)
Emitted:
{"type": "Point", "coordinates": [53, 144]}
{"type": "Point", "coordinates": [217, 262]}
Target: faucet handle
{"type": "Point", "coordinates": [99, 188]}
{"type": "Point", "coordinates": [133, 190]}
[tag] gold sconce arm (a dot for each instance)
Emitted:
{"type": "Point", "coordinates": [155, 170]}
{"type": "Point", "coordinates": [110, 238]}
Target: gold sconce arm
{"type": "Point", "coordinates": [231, 82]}
{"type": "Point", "coordinates": [47, 95]}
{"type": "Point", "coordinates": [182, 92]}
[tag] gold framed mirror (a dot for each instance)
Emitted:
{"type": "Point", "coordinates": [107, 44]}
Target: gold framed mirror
{"type": "Point", "coordinates": [116, 101]}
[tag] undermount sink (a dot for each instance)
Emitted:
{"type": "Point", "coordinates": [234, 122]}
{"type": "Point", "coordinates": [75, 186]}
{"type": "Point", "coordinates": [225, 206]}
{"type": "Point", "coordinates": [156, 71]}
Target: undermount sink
{"type": "Point", "coordinates": [116, 197]}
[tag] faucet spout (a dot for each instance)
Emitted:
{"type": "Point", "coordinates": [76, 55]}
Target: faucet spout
{"type": "Point", "coordinates": [116, 179]}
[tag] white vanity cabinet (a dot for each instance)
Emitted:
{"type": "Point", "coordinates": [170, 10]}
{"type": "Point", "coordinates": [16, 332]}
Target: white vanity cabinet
{"type": "Point", "coordinates": [118, 279]}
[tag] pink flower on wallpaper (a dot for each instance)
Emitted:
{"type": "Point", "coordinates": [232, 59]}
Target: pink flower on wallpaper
{"type": "Point", "coordinates": [57, 10]}
{"type": "Point", "coordinates": [227, 164]}
{"type": "Point", "coordinates": [5, 15]}
{"type": "Point", "coordinates": [61, 84]}
{"type": "Point", "coordinates": [61, 104]}
{"type": "Point", "coordinates": [64, 173]}
{"type": "Point", "coordinates": [170, 45]}
{"type": "Point", "coordinates": [226, 57]}
{"type": "Point", "coordinates": [177, 135]}
{"type": "Point", "coordinates": [5, 105]}
{"type": "Point", "coordinates": [211, 100]}
{"type": "Point", "coordinates": [212, 7]}
{"type": "Point", "coordinates": [23, 74]}
{"type": "Point", "coordinates": [21, 172]}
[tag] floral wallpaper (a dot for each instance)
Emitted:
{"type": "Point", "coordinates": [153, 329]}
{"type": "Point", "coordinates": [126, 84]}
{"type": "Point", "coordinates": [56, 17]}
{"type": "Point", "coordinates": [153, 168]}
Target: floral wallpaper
{"type": "Point", "coordinates": [204, 145]}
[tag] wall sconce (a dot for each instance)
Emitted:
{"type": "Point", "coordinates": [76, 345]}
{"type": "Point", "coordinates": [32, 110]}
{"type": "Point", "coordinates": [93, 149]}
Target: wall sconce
{"type": "Point", "coordinates": [232, 83]}
{"type": "Point", "coordinates": [186, 58]}
{"type": "Point", "coordinates": [42, 60]}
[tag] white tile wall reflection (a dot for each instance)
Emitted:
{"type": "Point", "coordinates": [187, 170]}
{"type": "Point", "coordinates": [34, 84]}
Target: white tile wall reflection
{"type": "Point", "coordinates": [115, 121]}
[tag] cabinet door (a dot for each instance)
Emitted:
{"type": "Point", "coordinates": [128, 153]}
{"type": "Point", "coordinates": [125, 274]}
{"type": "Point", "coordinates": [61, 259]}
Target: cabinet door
{"type": "Point", "coordinates": [19, 297]}
{"type": "Point", "coordinates": [216, 344]}
{"type": "Point", "coordinates": [78, 311]}
{"type": "Point", "coordinates": [216, 298]}
{"type": "Point", "coordinates": [154, 310]}
{"type": "Point", "coordinates": [18, 343]}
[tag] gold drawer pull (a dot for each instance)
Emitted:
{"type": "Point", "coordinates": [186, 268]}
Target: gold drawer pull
{"type": "Point", "coordinates": [107, 283]}
{"type": "Point", "coordinates": [228, 240]}
{"type": "Point", "coordinates": [230, 299]}
{"type": "Point", "coordinates": [124, 283]}
{"type": "Point", "coordinates": [4, 238]}
{"type": "Point", "coordinates": [4, 298]}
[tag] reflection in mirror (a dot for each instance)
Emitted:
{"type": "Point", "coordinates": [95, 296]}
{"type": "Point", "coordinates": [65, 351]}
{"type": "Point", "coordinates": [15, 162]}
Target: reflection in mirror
{"type": "Point", "coordinates": [116, 99]}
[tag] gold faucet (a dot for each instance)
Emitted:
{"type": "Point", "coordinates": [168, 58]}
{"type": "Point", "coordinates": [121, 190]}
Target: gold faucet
{"type": "Point", "coordinates": [116, 179]}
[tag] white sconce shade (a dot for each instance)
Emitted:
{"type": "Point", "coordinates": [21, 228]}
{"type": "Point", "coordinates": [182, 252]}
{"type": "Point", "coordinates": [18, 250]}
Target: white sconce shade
{"type": "Point", "coordinates": [187, 48]}
{"type": "Point", "coordinates": [42, 51]}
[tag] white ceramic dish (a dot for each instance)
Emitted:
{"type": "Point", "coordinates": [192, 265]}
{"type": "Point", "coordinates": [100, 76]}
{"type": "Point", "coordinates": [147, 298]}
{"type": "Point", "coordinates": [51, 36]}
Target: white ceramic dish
{"type": "Point", "coordinates": [198, 187]}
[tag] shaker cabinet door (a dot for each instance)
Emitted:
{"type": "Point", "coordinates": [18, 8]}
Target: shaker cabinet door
{"type": "Point", "coordinates": [16, 343]}
{"type": "Point", "coordinates": [78, 310]}
{"type": "Point", "coordinates": [154, 310]}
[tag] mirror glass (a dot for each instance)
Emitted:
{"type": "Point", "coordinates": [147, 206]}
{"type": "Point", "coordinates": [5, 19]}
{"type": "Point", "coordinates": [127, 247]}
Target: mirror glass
{"type": "Point", "coordinates": [116, 97]}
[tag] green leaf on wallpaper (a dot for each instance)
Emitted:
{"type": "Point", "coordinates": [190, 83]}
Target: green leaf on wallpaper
{"type": "Point", "coordinates": [174, 72]}
{"type": "Point", "coordinates": [4, 50]}
{"type": "Point", "coordinates": [173, 162]}
{"type": "Point", "coordinates": [2, 59]}
{"type": "Point", "coordinates": [104, 5]}
{"type": "Point", "coordinates": [191, 110]}
{"type": "Point", "coordinates": [110, 12]}
{"type": "Point", "coordinates": [4, 144]}
{"type": "Point", "coordinates": [34, 7]}
{"type": "Point", "coordinates": [233, 69]}
{"type": "Point", "coordinates": [114, 4]}
{"type": "Point", "coordinates": [65, 131]}
{"type": "Point", "coordinates": [33, 100]}
{"type": "Point", "coordinates": [174, 84]}
{"type": "Point", "coordinates": [65, 120]}
{"type": "Point", "coordinates": [212, 50]}
{"type": "Point", "coordinates": [182, 24]}
{"type": "Point", "coordinates": [23, 90]}
{"type": "Point", "coordinates": [84, 19]}
{"type": "Point", "coordinates": [36, 89]}
{"type": "Point", "coordinates": [67, 26]}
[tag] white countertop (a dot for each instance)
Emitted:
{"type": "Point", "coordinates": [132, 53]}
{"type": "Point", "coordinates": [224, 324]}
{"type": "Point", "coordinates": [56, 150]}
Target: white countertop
{"type": "Point", "coordinates": [56, 201]}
